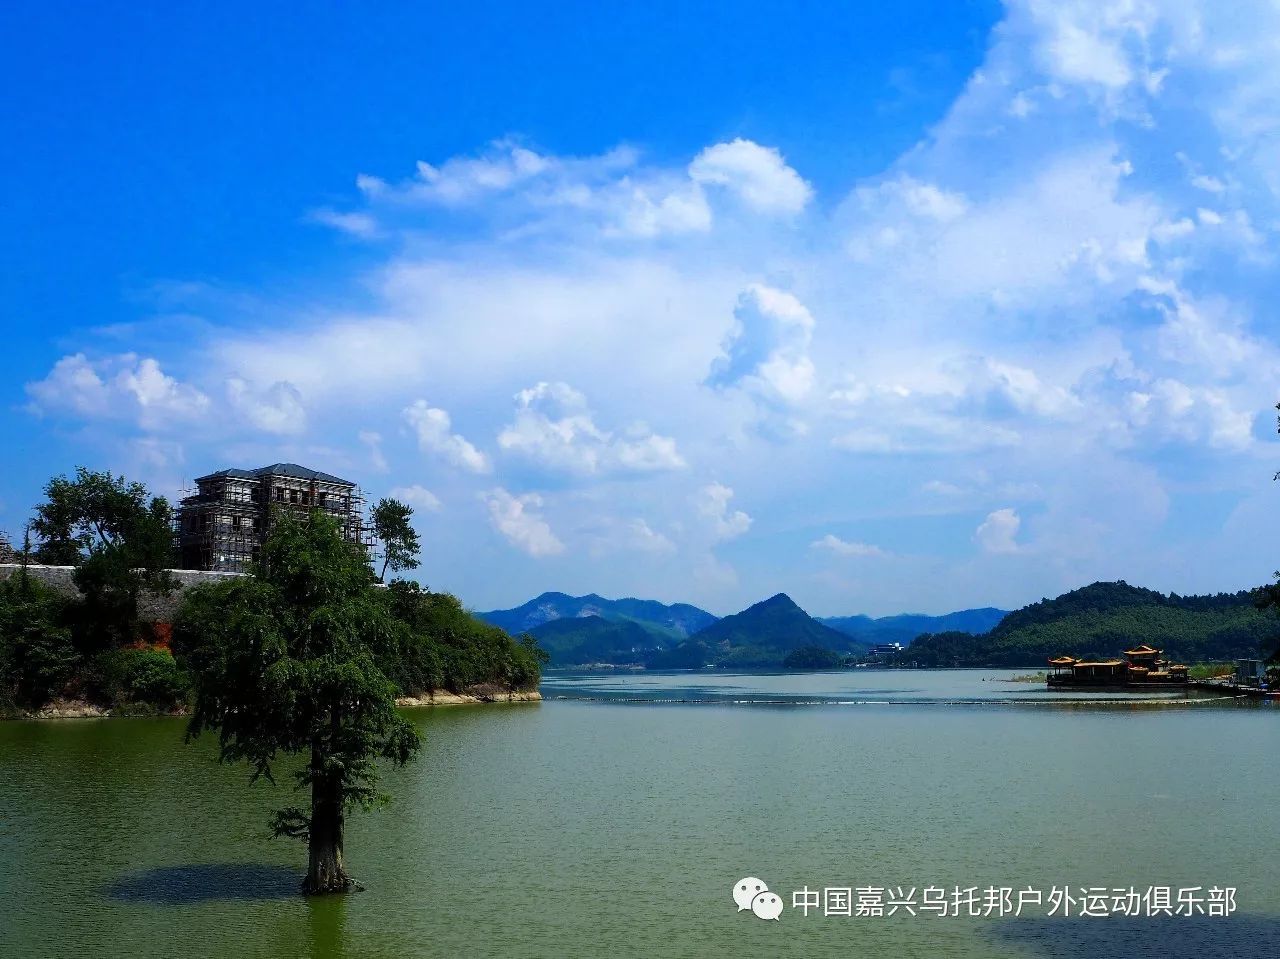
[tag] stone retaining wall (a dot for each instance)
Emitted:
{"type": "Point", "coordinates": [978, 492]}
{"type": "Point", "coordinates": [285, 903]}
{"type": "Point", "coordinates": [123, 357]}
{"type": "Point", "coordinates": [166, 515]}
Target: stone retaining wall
{"type": "Point", "coordinates": [151, 607]}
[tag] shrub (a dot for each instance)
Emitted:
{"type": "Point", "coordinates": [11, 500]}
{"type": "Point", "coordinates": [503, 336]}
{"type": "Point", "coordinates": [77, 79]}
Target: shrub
{"type": "Point", "coordinates": [149, 677]}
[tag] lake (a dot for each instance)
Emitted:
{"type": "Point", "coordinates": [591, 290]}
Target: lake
{"type": "Point", "coordinates": [614, 819]}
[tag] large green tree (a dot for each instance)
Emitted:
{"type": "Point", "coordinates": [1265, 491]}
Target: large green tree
{"type": "Point", "coordinates": [399, 539]}
{"type": "Point", "coordinates": [119, 538]}
{"type": "Point", "coordinates": [286, 662]}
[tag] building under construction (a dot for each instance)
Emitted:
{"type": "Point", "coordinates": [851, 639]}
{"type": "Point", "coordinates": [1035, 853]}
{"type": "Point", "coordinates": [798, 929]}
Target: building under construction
{"type": "Point", "coordinates": [224, 522]}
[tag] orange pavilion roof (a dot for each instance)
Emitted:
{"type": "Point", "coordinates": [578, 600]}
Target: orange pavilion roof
{"type": "Point", "coordinates": [1103, 662]}
{"type": "Point", "coordinates": [1143, 650]}
{"type": "Point", "coordinates": [1062, 660]}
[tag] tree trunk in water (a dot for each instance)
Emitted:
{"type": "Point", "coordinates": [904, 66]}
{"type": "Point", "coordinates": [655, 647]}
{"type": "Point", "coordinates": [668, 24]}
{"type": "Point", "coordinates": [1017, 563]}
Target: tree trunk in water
{"type": "Point", "coordinates": [325, 869]}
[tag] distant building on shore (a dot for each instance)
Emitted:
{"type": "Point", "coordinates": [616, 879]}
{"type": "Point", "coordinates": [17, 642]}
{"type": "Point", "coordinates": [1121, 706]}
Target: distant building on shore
{"type": "Point", "coordinates": [1142, 666]}
{"type": "Point", "coordinates": [887, 649]}
{"type": "Point", "coordinates": [223, 524]}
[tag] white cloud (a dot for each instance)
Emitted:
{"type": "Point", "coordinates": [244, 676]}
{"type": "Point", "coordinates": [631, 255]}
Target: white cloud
{"type": "Point", "coordinates": [1209, 184]}
{"type": "Point", "coordinates": [358, 224]}
{"type": "Point", "coordinates": [373, 442]}
{"type": "Point", "coordinates": [276, 409]}
{"type": "Point", "coordinates": [462, 179]}
{"type": "Point", "coordinates": [432, 427]}
{"type": "Point", "coordinates": [517, 518]}
{"type": "Point", "coordinates": [125, 386]}
{"type": "Point", "coordinates": [1032, 287]}
{"type": "Point", "coordinates": [766, 353]}
{"type": "Point", "coordinates": [834, 544]}
{"type": "Point", "coordinates": [614, 535]}
{"type": "Point", "coordinates": [554, 427]}
{"type": "Point", "coordinates": [418, 496]}
{"type": "Point", "coordinates": [713, 506]}
{"type": "Point", "coordinates": [643, 538]}
{"type": "Point", "coordinates": [1065, 230]}
{"type": "Point", "coordinates": [1172, 409]}
{"type": "Point", "coordinates": [682, 210]}
{"type": "Point", "coordinates": [998, 532]}
{"type": "Point", "coordinates": [757, 174]}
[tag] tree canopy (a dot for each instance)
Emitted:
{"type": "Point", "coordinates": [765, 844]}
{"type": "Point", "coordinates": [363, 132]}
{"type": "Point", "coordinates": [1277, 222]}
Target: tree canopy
{"type": "Point", "coordinates": [399, 539]}
{"type": "Point", "coordinates": [287, 661]}
{"type": "Point", "coordinates": [120, 540]}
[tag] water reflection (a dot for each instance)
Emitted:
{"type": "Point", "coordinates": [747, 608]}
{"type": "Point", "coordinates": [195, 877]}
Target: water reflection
{"type": "Point", "coordinates": [206, 882]}
{"type": "Point", "coordinates": [326, 923]}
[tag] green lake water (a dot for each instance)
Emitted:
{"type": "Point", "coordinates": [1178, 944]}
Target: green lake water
{"type": "Point", "coordinates": [613, 819]}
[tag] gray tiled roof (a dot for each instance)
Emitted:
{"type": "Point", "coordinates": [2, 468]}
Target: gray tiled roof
{"type": "Point", "coordinates": [300, 472]}
{"type": "Point", "coordinates": [280, 469]}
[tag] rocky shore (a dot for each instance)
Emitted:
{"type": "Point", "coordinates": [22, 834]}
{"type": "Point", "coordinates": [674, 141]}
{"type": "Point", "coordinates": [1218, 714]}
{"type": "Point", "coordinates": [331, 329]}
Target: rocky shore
{"type": "Point", "coordinates": [80, 709]}
{"type": "Point", "coordinates": [475, 695]}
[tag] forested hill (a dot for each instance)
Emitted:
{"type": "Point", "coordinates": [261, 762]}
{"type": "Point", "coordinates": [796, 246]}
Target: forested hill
{"type": "Point", "coordinates": [1104, 619]}
{"type": "Point", "coordinates": [763, 635]}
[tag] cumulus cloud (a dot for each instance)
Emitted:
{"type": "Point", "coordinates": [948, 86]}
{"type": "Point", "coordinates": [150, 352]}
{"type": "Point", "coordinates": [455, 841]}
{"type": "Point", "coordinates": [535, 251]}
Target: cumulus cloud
{"type": "Point", "coordinates": [713, 507]}
{"type": "Point", "coordinates": [432, 427]}
{"type": "Point", "coordinates": [554, 427]}
{"type": "Point", "coordinates": [999, 531]}
{"type": "Point", "coordinates": [834, 544]}
{"type": "Point", "coordinates": [757, 174]}
{"type": "Point", "coordinates": [119, 387]}
{"type": "Point", "coordinates": [416, 495]}
{"type": "Point", "coordinates": [519, 520]}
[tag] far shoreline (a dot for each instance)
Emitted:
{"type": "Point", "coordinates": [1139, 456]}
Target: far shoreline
{"type": "Point", "coordinates": [81, 709]}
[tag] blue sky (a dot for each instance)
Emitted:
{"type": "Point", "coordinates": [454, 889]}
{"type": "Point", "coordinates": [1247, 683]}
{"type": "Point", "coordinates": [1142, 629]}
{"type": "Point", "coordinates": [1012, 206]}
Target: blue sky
{"type": "Point", "coordinates": [912, 307]}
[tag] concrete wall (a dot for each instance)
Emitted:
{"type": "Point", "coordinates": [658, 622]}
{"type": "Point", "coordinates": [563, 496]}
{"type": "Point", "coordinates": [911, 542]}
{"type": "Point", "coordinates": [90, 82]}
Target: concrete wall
{"type": "Point", "coordinates": [151, 608]}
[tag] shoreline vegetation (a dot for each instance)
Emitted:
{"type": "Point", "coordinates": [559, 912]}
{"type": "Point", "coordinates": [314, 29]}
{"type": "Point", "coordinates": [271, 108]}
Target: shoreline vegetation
{"type": "Point", "coordinates": [92, 648]}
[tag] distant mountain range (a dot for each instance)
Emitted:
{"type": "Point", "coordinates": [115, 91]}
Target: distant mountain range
{"type": "Point", "coordinates": [674, 622]}
{"type": "Point", "coordinates": [591, 629]}
{"type": "Point", "coordinates": [905, 627]}
{"type": "Point", "coordinates": [1097, 620]}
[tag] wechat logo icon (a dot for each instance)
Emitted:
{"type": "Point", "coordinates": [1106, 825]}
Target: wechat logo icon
{"type": "Point", "coordinates": [752, 894]}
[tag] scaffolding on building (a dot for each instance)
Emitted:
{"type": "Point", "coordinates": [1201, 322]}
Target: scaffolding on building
{"type": "Point", "coordinates": [222, 524]}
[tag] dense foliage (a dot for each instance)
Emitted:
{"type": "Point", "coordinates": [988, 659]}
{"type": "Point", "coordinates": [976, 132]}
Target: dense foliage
{"type": "Point", "coordinates": [1104, 619]}
{"type": "Point", "coordinates": [120, 541]}
{"type": "Point", "coordinates": [593, 639]}
{"type": "Point", "coordinates": [812, 657]}
{"type": "Point", "coordinates": [442, 646]}
{"type": "Point", "coordinates": [37, 655]}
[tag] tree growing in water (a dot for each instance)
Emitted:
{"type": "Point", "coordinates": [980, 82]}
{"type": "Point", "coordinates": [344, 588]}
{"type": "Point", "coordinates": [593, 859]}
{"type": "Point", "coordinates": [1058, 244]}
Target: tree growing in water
{"type": "Point", "coordinates": [285, 661]}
